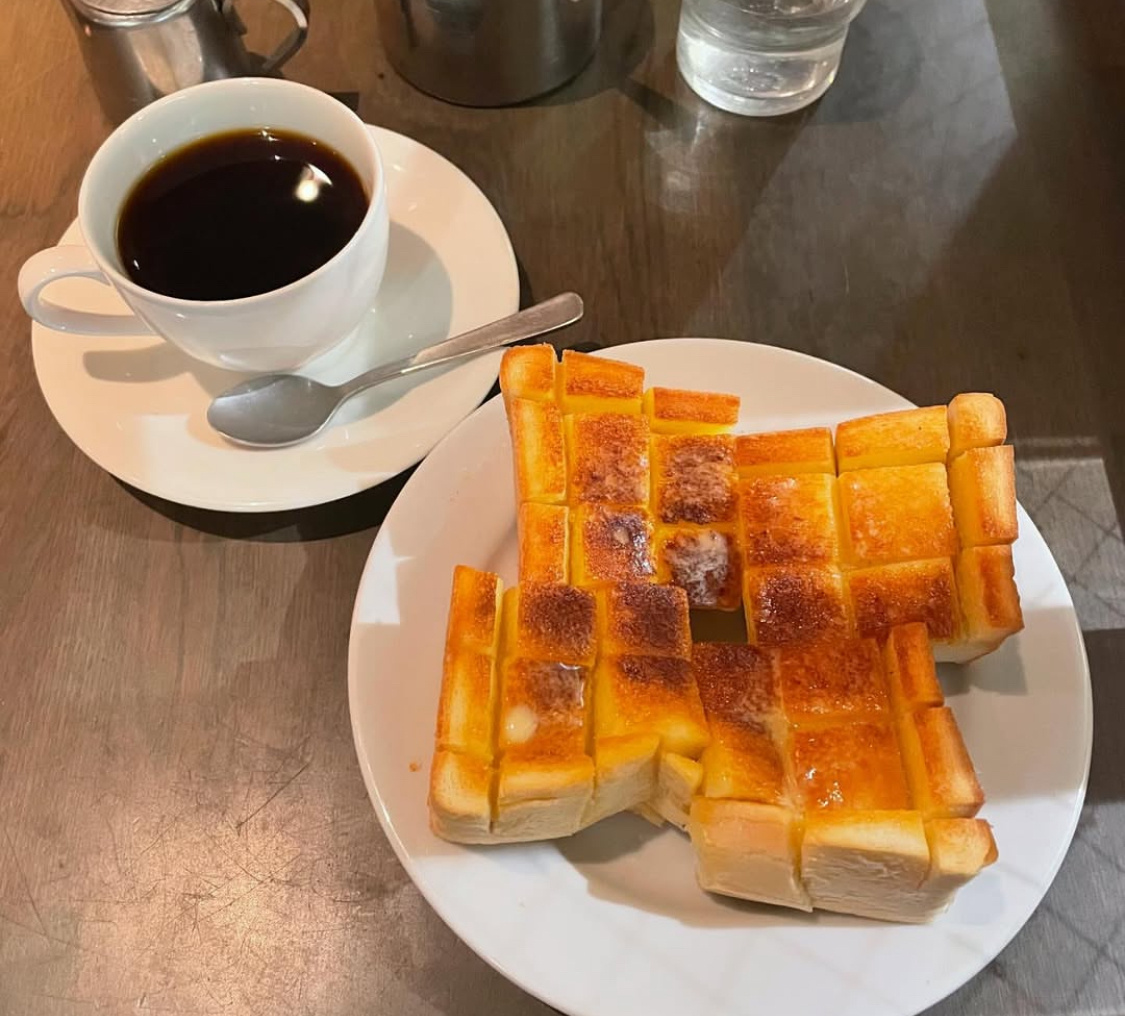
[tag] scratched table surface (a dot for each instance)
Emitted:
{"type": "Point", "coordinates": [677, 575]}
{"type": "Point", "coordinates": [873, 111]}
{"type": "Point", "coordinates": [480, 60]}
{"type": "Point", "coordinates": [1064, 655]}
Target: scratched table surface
{"type": "Point", "coordinates": [184, 826]}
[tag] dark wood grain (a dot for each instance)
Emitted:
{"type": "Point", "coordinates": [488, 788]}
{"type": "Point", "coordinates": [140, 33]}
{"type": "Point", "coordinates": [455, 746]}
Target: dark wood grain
{"type": "Point", "coordinates": [184, 827]}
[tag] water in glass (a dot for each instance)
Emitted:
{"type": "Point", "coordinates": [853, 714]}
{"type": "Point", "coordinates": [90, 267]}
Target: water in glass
{"type": "Point", "coordinates": [762, 57]}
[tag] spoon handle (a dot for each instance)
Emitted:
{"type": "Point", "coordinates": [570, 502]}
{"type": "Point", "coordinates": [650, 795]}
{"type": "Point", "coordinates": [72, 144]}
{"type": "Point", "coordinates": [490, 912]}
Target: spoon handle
{"type": "Point", "coordinates": [558, 312]}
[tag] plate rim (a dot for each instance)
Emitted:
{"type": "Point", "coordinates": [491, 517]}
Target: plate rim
{"type": "Point", "coordinates": [938, 990]}
{"type": "Point", "coordinates": [201, 501]}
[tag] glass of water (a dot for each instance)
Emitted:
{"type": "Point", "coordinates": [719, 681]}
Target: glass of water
{"type": "Point", "coordinates": [762, 57]}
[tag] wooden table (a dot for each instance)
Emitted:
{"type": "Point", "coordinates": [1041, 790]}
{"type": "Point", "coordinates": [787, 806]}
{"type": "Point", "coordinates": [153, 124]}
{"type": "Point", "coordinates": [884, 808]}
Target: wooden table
{"type": "Point", "coordinates": [184, 824]}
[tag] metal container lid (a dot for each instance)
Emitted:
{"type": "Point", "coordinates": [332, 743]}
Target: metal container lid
{"type": "Point", "coordinates": [129, 10]}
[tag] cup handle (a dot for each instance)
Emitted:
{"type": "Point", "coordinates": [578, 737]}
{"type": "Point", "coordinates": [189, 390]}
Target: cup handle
{"type": "Point", "coordinates": [299, 12]}
{"type": "Point", "coordinates": [41, 269]}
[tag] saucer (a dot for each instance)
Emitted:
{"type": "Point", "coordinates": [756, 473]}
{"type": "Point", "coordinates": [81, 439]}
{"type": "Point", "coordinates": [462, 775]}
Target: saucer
{"type": "Point", "coordinates": [137, 406]}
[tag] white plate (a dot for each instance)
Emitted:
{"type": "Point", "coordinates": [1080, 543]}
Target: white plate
{"type": "Point", "coordinates": [137, 406]}
{"type": "Point", "coordinates": [610, 921]}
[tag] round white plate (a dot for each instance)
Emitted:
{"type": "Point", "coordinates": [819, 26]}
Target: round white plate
{"type": "Point", "coordinates": [137, 406]}
{"type": "Point", "coordinates": [610, 921]}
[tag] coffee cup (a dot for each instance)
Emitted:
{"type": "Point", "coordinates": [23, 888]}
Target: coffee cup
{"type": "Point", "coordinates": [279, 329]}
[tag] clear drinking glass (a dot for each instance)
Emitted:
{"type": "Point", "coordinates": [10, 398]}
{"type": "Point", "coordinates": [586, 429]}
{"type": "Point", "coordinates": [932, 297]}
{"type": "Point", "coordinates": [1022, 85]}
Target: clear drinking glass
{"type": "Point", "coordinates": [762, 57]}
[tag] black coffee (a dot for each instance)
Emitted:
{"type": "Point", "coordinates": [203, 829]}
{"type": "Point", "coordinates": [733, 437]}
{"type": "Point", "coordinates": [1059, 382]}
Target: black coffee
{"type": "Point", "coordinates": [238, 214]}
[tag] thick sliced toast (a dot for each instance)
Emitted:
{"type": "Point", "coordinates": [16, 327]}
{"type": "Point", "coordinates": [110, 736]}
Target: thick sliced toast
{"type": "Point", "coordinates": [813, 538]}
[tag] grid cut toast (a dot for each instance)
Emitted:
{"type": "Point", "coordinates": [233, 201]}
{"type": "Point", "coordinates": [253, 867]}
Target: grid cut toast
{"type": "Point", "coordinates": [813, 796]}
{"type": "Point", "coordinates": [648, 478]}
{"type": "Point", "coordinates": [830, 775]}
{"type": "Point", "coordinates": [813, 537]}
{"type": "Point", "coordinates": [815, 766]}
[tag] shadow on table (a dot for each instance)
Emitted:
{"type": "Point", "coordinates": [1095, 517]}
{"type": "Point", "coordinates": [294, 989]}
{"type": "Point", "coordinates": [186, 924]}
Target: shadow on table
{"type": "Point", "coordinates": [364, 510]}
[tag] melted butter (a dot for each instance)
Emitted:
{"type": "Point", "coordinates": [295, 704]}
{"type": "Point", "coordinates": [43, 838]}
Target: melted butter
{"type": "Point", "coordinates": [520, 724]}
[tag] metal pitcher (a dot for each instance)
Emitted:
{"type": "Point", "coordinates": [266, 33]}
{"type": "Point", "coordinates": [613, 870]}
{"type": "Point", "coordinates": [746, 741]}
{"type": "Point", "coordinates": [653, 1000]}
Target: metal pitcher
{"type": "Point", "coordinates": [489, 52]}
{"type": "Point", "coordinates": [139, 50]}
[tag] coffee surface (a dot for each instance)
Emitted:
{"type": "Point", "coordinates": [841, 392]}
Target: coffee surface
{"type": "Point", "coordinates": [238, 214]}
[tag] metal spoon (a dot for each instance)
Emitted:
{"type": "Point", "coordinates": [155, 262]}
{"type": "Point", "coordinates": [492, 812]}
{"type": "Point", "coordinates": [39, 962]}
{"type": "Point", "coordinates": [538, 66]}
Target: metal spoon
{"type": "Point", "coordinates": [283, 409]}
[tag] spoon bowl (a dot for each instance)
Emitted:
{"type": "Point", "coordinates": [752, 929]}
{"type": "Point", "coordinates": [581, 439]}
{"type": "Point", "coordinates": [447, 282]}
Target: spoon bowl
{"type": "Point", "coordinates": [274, 410]}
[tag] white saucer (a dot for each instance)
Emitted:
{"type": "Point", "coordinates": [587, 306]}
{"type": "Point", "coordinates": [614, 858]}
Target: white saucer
{"type": "Point", "coordinates": [611, 922]}
{"type": "Point", "coordinates": [137, 406]}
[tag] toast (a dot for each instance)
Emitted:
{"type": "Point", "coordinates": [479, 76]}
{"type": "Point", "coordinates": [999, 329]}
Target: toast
{"type": "Point", "coordinates": [835, 779]}
{"type": "Point", "coordinates": [825, 775]}
{"type": "Point", "coordinates": [812, 537]}
{"type": "Point", "coordinates": [785, 453]}
{"type": "Point", "coordinates": [815, 766]}
{"type": "Point", "coordinates": [647, 477]}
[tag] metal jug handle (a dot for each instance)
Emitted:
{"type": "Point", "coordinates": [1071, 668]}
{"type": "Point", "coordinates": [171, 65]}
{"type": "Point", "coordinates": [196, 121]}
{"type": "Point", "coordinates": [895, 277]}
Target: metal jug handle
{"type": "Point", "coordinates": [298, 10]}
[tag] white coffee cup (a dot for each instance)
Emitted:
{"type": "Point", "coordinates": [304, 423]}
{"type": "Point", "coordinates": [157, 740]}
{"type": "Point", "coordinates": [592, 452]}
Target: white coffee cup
{"type": "Point", "coordinates": [277, 330]}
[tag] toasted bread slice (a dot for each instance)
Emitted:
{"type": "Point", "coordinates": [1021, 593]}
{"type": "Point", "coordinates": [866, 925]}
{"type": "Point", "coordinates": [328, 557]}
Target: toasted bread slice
{"type": "Point", "coordinates": [461, 774]}
{"type": "Point", "coordinates": [625, 775]}
{"type": "Point", "coordinates": [544, 709]}
{"type": "Point", "coordinates": [474, 611]}
{"type": "Point", "coordinates": [736, 681]}
{"type": "Point", "coordinates": [850, 765]}
{"type": "Point", "coordinates": [460, 788]}
{"type": "Point", "coordinates": [677, 782]}
{"type": "Point", "coordinates": [982, 482]}
{"type": "Point", "coordinates": [747, 850]}
{"type": "Point", "coordinates": [790, 519]}
{"type": "Point", "coordinates": [745, 761]}
{"type": "Point", "coordinates": [641, 619]}
{"type": "Point", "coordinates": [960, 848]}
{"type": "Point", "coordinates": [544, 539]}
{"type": "Point", "coordinates": [693, 479]}
{"type": "Point", "coordinates": [908, 662]}
{"type": "Point", "coordinates": [650, 814]}
{"type": "Point", "coordinates": [538, 450]}
{"type": "Point", "coordinates": [895, 594]}
{"type": "Point", "coordinates": [610, 544]}
{"type": "Point", "coordinates": [976, 420]}
{"type": "Point", "coordinates": [546, 779]}
{"type": "Point", "coordinates": [842, 678]}
{"type": "Point", "coordinates": [541, 799]}
{"type": "Point", "coordinates": [942, 780]}
{"type": "Point", "coordinates": [550, 622]}
{"type": "Point", "coordinates": [903, 438]}
{"type": "Point", "coordinates": [990, 601]}
{"type": "Point", "coordinates": [898, 513]}
{"type": "Point", "coordinates": [608, 458]}
{"type": "Point", "coordinates": [591, 384]}
{"type": "Point", "coordinates": [674, 411]}
{"type": "Point", "coordinates": [795, 604]}
{"type": "Point", "coordinates": [650, 695]}
{"type": "Point", "coordinates": [739, 687]}
{"type": "Point", "coordinates": [704, 562]}
{"type": "Point", "coordinates": [785, 453]}
{"type": "Point", "coordinates": [467, 703]}
{"type": "Point", "coordinates": [867, 863]}
{"type": "Point", "coordinates": [529, 372]}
